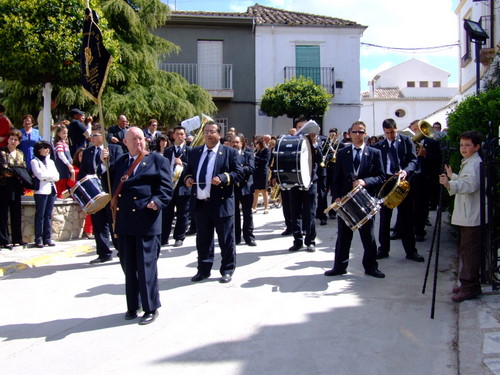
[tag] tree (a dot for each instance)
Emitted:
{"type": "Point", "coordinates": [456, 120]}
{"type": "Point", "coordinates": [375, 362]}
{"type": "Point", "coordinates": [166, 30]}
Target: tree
{"type": "Point", "coordinates": [474, 113]}
{"type": "Point", "coordinates": [40, 42]}
{"type": "Point", "coordinates": [298, 96]}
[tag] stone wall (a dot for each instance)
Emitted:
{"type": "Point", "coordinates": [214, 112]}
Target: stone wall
{"type": "Point", "coordinates": [67, 219]}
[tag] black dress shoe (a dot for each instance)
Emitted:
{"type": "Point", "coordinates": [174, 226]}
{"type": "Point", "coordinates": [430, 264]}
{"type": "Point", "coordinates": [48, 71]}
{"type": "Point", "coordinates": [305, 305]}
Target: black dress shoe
{"type": "Point", "coordinates": [101, 260]}
{"type": "Point", "coordinates": [49, 243]}
{"type": "Point", "coordinates": [311, 248]}
{"type": "Point", "coordinates": [130, 315]}
{"type": "Point", "coordinates": [286, 233]}
{"type": "Point", "coordinates": [376, 273]}
{"type": "Point", "coordinates": [382, 255]}
{"type": "Point", "coordinates": [8, 246]}
{"type": "Point", "coordinates": [322, 222]}
{"type": "Point", "coordinates": [225, 278]}
{"type": "Point", "coordinates": [199, 276]}
{"type": "Point", "coordinates": [395, 236]}
{"type": "Point", "coordinates": [335, 272]}
{"type": "Point", "coordinates": [148, 317]}
{"type": "Point", "coordinates": [39, 245]}
{"type": "Point", "coordinates": [296, 247]}
{"type": "Point", "coordinates": [416, 257]}
{"type": "Point", "coordinates": [251, 243]}
{"type": "Point", "coordinates": [178, 243]}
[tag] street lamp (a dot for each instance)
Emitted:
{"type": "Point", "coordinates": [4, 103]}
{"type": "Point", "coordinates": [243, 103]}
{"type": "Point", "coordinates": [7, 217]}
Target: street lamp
{"type": "Point", "coordinates": [478, 36]}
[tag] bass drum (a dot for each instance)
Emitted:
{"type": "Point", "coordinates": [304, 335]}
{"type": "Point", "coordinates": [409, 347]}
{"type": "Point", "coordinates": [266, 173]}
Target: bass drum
{"type": "Point", "coordinates": [293, 162]}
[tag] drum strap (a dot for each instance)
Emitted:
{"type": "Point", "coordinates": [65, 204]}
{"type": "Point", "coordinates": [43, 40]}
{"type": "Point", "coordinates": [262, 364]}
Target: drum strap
{"type": "Point", "coordinates": [122, 180]}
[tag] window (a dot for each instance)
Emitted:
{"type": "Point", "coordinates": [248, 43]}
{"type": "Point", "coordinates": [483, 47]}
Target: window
{"type": "Point", "coordinates": [339, 84]}
{"type": "Point", "coordinates": [210, 64]}
{"type": "Point", "coordinates": [436, 84]}
{"type": "Point", "coordinates": [410, 84]}
{"type": "Point", "coordinates": [400, 113]}
{"type": "Point", "coordinates": [424, 84]}
{"type": "Point", "coordinates": [307, 62]}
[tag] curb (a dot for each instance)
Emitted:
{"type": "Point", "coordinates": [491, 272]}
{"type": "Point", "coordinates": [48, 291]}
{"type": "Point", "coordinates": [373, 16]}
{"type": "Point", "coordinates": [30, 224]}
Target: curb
{"type": "Point", "coordinates": [45, 259]}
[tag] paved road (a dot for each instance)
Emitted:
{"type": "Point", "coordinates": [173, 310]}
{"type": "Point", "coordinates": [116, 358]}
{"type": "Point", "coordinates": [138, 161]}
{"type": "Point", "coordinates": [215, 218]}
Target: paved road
{"type": "Point", "coordinates": [279, 315]}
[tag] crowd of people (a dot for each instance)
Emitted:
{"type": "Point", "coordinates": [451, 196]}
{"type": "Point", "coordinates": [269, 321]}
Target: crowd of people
{"type": "Point", "coordinates": [214, 186]}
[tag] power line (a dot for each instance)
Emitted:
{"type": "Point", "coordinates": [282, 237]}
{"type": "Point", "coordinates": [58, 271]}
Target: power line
{"type": "Point", "coordinates": [410, 49]}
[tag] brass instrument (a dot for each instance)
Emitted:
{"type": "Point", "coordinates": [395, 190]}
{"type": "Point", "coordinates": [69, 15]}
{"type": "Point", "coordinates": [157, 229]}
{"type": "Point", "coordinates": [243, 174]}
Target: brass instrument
{"type": "Point", "coordinates": [424, 130]}
{"type": "Point", "coordinates": [275, 189]}
{"type": "Point", "coordinates": [332, 146]}
{"type": "Point", "coordinates": [198, 138]}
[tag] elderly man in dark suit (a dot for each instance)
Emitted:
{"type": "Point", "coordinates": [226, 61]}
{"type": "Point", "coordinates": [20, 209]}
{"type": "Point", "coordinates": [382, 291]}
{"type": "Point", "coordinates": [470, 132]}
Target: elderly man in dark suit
{"type": "Point", "coordinates": [177, 156]}
{"type": "Point", "coordinates": [398, 157]}
{"type": "Point", "coordinates": [92, 164]}
{"type": "Point", "coordinates": [357, 164]}
{"type": "Point", "coordinates": [215, 170]}
{"type": "Point", "coordinates": [116, 133]}
{"type": "Point", "coordinates": [142, 187]}
{"type": "Point", "coordinates": [244, 194]}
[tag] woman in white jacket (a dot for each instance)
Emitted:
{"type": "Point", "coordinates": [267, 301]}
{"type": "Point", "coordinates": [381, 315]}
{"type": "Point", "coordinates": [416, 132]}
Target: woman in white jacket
{"type": "Point", "coordinates": [44, 169]}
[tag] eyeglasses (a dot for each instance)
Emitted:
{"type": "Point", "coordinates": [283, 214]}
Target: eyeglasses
{"type": "Point", "coordinates": [95, 135]}
{"type": "Point", "coordinates": [358, 132]}
{"type": "Point", "coordinates": [210, 131]}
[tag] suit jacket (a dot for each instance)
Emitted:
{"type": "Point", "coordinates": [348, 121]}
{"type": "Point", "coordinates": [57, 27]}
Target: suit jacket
{"type": "Point", "coordinates": [152, 181]}
{"type": "Point", "coordinates": [117, 132]}
{"type": "Point", "coordinates": [169, 154]}
{"type": "Point", "coordinates": [87, 166]}
{"type": "Point", "coordinates": [371, 171]}
{"type": "Point", "coordinates": [406, 153]}
{"type": "Point", "coordinates": [247, 162]}
{"type": "Point", "coordinates": [227, 169]}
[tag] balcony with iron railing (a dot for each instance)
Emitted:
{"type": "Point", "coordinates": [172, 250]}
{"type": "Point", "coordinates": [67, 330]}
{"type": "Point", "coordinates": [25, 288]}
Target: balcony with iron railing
{"type": "Point", "coordinates": [217, 79]}
{"type": "Point", "coordinates": [321, 76]}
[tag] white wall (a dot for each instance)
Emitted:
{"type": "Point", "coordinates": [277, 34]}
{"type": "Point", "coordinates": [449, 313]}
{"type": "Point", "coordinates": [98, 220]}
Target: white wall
{"type": "Point", "coordinates": [339, 48]}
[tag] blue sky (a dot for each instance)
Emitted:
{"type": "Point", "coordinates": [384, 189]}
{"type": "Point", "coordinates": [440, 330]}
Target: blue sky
{"type": "Point", "coordinates": [391, 23]}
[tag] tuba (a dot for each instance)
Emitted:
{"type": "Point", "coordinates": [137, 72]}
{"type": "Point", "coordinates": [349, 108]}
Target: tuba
{"type": "Point", "coordinates": [198, 138]}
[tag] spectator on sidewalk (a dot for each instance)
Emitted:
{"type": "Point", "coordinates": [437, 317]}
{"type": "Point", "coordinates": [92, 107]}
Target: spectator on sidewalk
{"type": "Point", "coordinates": [466, 215]}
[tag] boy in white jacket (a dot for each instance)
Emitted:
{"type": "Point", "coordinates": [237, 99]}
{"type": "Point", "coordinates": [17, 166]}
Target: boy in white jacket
{"type": "Point", "coordinates": [466, 214]}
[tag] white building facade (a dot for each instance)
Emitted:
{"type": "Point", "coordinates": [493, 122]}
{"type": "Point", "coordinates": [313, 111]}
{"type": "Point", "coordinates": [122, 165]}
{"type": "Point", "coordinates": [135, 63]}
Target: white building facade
{"type": "Point", "coordinates": [286, 40]}
{"type": "Point", "coordinates": [406, 92]}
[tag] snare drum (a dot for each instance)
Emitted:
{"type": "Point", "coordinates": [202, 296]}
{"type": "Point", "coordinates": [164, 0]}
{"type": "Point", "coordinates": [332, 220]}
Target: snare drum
{"type": "Point", "coordinates": [89, 194]}
{"type": "Point", "coordinates": [393, 191]}
{"type": "Point", "coordinates": [293, 162]}
{"type": "Point", "coordinates": [357, 207]}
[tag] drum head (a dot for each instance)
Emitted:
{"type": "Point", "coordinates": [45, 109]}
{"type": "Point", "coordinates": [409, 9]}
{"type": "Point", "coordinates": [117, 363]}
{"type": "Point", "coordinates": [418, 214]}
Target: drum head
{"type": "Point", "coordinates": [306, 163]}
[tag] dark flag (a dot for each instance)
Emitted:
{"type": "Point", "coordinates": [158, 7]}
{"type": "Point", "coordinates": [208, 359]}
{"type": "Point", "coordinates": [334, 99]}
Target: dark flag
{"type": "Point", "coordinates": [95, 60]}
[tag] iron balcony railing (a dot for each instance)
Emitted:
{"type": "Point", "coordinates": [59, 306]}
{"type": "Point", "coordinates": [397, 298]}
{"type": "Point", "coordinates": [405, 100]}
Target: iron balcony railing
{"type": "Point", "coordinates": [321, 76]}
{"type": "Point", "coordinates": [208, 76]}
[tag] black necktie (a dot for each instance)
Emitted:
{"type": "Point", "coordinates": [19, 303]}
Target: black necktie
{"type": "Point", "coordinates": [203, 172]}
{"type": "Point", "coordinates": [357, 158]}
{"type": "Point", "coordinates": [130, 162]}
{"type": "Point", "coordinates": [177, 151]}
{"type": "Point", "coordinates": [97, 159]}
{"type": "Point", "coordinates": [393, 156]}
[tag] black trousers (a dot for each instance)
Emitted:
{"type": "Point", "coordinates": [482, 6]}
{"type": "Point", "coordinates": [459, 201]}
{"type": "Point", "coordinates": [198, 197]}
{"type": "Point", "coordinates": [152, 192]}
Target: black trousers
{"type": "Point", "coordinates": [343, 245]}
{"type": "Point", "coordinates": [140, 256]}
{"type": "Point", "coordinates": [246, 202]}
{"type": "Point", "coordinates": [303, 204]}
{"type": "Point", "coordinates": [101, 222]}
{"type": "Point", "coordinates": [322, 197]}
{"type": "Point", "coordinates": [420, 184]}
{"type": "Point", "coordinates": [405, 226]}
{"type": "Point", "coordinates": [206, 222]}
{"type": "Point", "coordinates": [285, 206]}
{"type": "Point", "coordinates": [178, 207]}
{"type": "Point", "coordinates": [10, 201]}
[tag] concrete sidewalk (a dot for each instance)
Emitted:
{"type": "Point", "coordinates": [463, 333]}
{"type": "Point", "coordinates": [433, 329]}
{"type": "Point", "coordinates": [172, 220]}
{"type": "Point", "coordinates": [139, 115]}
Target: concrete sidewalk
{"type": "Point", "coordinates": [278, 299]}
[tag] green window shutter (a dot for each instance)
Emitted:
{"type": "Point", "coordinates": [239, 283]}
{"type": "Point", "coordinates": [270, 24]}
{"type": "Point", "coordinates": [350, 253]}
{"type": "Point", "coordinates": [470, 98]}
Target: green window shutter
{"type": "Point", "coordinates": [307, 62]}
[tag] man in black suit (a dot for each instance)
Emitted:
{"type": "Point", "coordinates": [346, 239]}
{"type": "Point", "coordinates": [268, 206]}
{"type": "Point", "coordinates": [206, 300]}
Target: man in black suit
{"type": "Point", "coordinates": [142, 187]}
{"type": "Point", "coordinates": [356, 165]}
{"type": "Point", "coordinates": [215, 170]}
{"type": "Point", "coordinates": [116, 133]}
{"type": "Point", "coordinates": [101, 220]}
{"type": "Point", "coordinates": [177, 156]}
{"type": "Point", "coordinates": [398, 157]}
{"type": "Point", "coordinates": [303, 201]}
{"type": "Point", "coordinates": [77, 132]}
{"type": "Point", "coordinates": [243, 192]}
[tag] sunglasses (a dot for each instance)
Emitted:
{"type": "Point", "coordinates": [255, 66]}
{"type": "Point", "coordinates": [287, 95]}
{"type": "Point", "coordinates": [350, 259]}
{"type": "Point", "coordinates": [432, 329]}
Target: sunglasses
{"type": "Point", "coordinates": [95, 135]}
{"type": "Point", "coordinates": [358, 132]}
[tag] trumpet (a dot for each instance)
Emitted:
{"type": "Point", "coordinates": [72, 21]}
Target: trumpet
{"type": "Point", "coordinates": [330, 147]}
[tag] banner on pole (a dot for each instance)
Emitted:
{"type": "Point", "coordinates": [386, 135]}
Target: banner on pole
{"type": "Point", "coordinates": [95, 59]}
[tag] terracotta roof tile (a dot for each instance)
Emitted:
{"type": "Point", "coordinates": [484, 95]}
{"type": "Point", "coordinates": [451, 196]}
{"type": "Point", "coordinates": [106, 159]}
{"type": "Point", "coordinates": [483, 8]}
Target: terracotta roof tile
{"type": "Point", "coordinates": [391, 93]}
{"type": "Point", "coordinates": [272, 16]}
